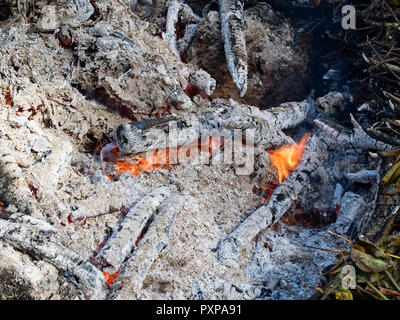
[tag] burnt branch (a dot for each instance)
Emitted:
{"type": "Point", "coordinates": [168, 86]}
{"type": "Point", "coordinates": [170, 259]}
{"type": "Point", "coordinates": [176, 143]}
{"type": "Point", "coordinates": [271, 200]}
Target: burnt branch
{"type": "Point", "coordinates": [110, 196]}
{"type": "Point", "coordinates": [363, 176]}
{"type": "Point", "coordinates": [126, 234]}
{"type": "Point", "coordinates": [43, 247]}
{"type": "Point", "coordinates": [179, 11]}
{"type": "Point", "coordinates": [356, 138]}
{"type": "Point", "coordinates": [154, 242]}
{"type": "Point", "coordinates": [279, 202]}
{"type": "Point", "coordinates": [232, 29]}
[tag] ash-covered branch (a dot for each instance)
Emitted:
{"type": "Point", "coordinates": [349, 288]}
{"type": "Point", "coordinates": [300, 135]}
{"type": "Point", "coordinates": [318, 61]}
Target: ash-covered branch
{"type": "Point", "coordinates": [178, 10]}
{"type": "Point", "coordinates": [143, 136]}
{"type": "Point", "coordinates": [155, 241]}
{"type": "Point", "coordinates": [356, 138]}
{"type": "Point", "coordinates": [169, 36]}
{"type": "Point", "coordinates": [363, 176]}
{"type": "Point", "coordinates": [128, 231]}
{"type": "Point", "coordinates": [43, 247]}
{"type": "Point", "coordinates": [232, 28]}
{"type": "Point", "coordinates": [279, 202]}
{"type": "Point", "coordinates": [40, 225]}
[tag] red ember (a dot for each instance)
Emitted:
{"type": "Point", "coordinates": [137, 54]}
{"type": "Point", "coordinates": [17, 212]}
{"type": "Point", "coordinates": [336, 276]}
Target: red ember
{"type": "Point", "coordinates": [110, 278]}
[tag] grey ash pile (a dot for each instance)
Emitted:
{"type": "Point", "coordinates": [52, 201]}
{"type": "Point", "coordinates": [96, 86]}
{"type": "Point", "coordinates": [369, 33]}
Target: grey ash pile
{"type": "Point", "coordinates": [87, 87]}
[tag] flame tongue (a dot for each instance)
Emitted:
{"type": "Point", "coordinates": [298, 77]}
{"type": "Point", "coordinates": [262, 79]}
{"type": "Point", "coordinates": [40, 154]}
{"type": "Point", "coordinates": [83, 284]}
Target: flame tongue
{"type": "Point", "coordinates": [110, 278]}
{"type": "Point", "coordinates": [286, 158]}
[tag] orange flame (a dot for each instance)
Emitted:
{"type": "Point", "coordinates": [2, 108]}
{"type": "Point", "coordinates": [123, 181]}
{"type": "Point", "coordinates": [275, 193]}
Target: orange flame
{"type": "Point", "coordinates": [139, 164]}
{"type": "Point", "coordinates": [161, 158]}
{"type": "Point", "coordinates": [2, 206]}
{"type": "Point", "coordinates": [110, 278]}
{"type": "Point", "coordinates": [286, 158]}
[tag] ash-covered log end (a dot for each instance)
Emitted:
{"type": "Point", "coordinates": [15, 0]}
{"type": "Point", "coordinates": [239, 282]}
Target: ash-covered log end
{"type": "Point", "coordinates": [141, 136]}
{"type": "Point", "coordinates": [125, 135]}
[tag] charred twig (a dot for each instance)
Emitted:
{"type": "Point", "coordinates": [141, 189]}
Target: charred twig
{"type": "Point", "coordinates": [375, 134]}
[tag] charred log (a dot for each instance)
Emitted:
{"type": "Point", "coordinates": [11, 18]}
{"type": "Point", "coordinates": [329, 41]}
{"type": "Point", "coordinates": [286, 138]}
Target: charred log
{"type": "Point", "coordinates": [364, 176]}
{"type": "Point", "coordinates": [139, 137]}
{"type": "Point", "coordinates": [232, 28]}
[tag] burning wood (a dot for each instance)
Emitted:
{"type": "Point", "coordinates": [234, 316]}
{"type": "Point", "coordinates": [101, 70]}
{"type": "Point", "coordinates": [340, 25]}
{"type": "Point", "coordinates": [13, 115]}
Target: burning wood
{"type": "Point", "coordinates": [279, 202]}
{"type": "Point", "coordinates": [140, 137]}
{"type": "Point", "coordinates": [286, 158]}
{"type": "Point", "coordinates": [92, 64]}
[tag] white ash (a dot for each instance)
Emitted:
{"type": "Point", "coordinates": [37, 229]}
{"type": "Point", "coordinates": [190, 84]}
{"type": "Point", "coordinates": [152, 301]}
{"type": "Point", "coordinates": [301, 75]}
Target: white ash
{"type": "Point", "coordinates": [48, 174]}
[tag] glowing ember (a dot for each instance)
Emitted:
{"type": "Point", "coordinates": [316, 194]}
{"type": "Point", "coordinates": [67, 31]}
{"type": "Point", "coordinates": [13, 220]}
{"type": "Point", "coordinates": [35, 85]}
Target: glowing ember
{"type": "Point", "coordinates": [2, 206]}
{"type": "Point", "coordinates": [110, 278]}
{"type": "Point", "coordinates": [159, 159]}
{"type": "Point", "coordinates": [138, 165]}
{"type": "Point", "coordinates": [286, 158]}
